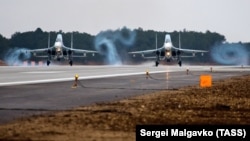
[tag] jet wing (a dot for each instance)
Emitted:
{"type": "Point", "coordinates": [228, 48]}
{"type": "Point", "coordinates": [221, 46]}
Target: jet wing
{"type": "Point", "coordinates": [39, 50]}
{"type": "Point", "coordinates": [189, 50]}
{"type": "Point", "coordinates": [80, 50]}
{"type": "Point", "coordinates": [42, 56]}
{"type": "Point", "coordinates": [146, 51]}
{"type": "Point", "coordinates": [83, 51]}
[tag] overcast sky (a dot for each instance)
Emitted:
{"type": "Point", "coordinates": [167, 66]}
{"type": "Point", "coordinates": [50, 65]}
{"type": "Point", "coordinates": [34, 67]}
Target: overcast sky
{"type": "Point", "coordinates": [227, 17]}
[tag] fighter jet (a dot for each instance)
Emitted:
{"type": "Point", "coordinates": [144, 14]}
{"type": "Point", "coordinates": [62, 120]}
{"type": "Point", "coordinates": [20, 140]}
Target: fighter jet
{"type": "Point", "coordinates": [168, 52]}
{"type": "Point", "coordinates": [59, 51]}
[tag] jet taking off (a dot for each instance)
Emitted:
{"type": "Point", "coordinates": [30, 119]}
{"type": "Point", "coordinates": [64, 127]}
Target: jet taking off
{"type": "Point", "coordinates": [59, 51]}
{"type": "Point", "coordinates": [168, 51]}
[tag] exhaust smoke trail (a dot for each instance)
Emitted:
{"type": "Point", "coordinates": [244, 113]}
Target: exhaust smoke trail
{"type": "Point", "coordinates": [107, 43]}
{"type": "Point", "coordinates": [15, 56]}
{"type": "Point", "coordinates": [230, 54]}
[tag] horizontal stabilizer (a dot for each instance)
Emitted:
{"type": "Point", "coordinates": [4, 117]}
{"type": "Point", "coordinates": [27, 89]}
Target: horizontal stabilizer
{"type": "Point", "coordinates": [79, 56]}
{"type": "Point", "coordinates": [187, 56]}
{"type": "Point", "coordinates": [150, 57]}
{"type": "Point", "coordinates": [41, 56]}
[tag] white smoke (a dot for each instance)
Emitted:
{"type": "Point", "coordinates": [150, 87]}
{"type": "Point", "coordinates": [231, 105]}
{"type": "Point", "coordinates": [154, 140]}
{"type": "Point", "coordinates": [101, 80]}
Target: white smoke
{"type": "Point", "coordinates": [16, 56]}
{"type": "Point", "coordinates": [230, 54]}
{"type": "Point", "coordinates": [106, 43]}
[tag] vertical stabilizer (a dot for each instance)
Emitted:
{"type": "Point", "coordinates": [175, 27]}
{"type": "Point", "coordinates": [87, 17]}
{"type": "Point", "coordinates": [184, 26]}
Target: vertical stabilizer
{"type": "Point", "coordinates": [49, 40]}
{"type": "Point", "coordinates": [156, 41]}
{"type": "Point", "coordinates": [179, 40]}
{"type": "Point", "coordinates": [71, 45]}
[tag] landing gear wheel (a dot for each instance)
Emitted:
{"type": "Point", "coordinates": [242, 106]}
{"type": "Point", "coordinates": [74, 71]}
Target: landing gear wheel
{"type": "Point", "coordinates": [180, 63]}
{"type": "Point", "coordinates": [156, 63]}
{"type": "Point", "coordinates": [48, 62]}
{"type": "Point", "coordinates": [70, 63]}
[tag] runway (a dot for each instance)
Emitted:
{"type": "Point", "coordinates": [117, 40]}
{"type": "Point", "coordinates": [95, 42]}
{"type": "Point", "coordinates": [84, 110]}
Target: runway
{"type": "Point", "coordinates": [16, 75]}
{"type": "Point", "coordinates": [33, 90]}
{"type": "Point", "coordinates": [31, 75]}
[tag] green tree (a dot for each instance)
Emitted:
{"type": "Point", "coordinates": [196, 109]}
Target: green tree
{"type": "Point", "coordinates": [4, 44]}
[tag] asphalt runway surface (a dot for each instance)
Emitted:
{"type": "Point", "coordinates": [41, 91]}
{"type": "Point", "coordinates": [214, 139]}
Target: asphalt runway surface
{"type": "Point", "coordinates": [26, 91]}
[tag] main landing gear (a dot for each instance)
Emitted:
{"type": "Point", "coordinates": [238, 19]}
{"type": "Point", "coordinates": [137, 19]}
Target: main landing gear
{"type": "Point", "coordinates": [70, 62]}
{"type": "Point", "coordinates": [48, 62]}
{"type": "Point", "coordinates": [156, 63]}
{"type": "Point", "coordinates": [157, 58]}
{"type": "Point", "coordinates": [179, 62]}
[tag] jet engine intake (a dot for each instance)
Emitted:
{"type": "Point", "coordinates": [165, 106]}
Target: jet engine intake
{"type": "Point", "coordinates": [174, 53]}
{"type": "Point", "coordinates": [178, 52]}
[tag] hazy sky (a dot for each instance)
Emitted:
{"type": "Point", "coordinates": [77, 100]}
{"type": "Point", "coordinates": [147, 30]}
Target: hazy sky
{"type": "Point", "coordinates": [227, 17]}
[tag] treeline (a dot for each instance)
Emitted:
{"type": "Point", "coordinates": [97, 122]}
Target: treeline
{"type": "Point", "coordinates": [144, 39]}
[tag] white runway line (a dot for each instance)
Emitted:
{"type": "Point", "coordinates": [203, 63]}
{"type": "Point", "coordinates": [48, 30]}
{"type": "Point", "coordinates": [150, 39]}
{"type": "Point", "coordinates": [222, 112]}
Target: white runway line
{"type": "Point", "coordinates": [72, 78]}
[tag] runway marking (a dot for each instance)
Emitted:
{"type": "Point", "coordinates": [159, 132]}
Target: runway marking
{"type": "Point", "coordinates": [72, 78]}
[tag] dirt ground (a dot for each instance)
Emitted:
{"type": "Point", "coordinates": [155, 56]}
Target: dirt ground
{"type": "Point", "coordinates": [226, 102]}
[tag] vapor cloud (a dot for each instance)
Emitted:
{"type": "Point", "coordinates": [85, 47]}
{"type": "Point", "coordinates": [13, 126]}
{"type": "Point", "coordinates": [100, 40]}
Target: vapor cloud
{"type": "Point", "coordinates": [16, 56]}
{"type": "Point", "coordinates": [110, 43]}
{"type": "Point", "coordinates": [230, 54]}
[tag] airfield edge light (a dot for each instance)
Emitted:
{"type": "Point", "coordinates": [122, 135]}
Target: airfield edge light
{"type": "Point", "coordinates": [76, 79]}
{"type": "Point", "coordinates": [147, 74]}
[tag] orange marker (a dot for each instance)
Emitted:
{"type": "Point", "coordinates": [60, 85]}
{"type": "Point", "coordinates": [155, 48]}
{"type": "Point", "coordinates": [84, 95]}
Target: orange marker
{"type": "Point", "coordinates": [205, 81]}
